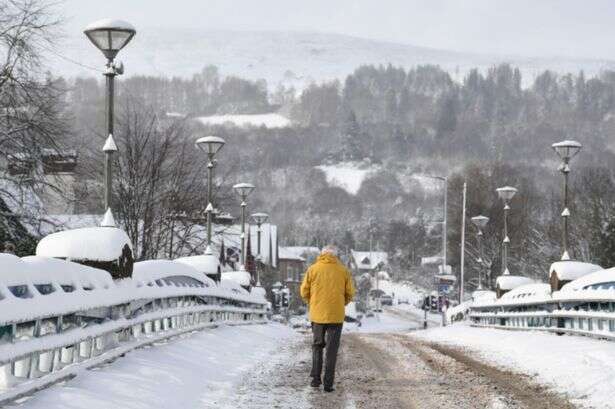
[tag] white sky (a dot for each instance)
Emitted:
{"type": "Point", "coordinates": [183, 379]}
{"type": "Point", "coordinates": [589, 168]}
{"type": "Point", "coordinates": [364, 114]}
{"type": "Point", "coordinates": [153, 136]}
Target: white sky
{"type": "Point", "coordinates": [577, 28]}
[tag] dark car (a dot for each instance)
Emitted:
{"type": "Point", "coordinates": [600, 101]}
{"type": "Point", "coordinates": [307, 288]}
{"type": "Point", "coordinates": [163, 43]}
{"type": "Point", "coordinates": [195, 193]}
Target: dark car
{"type": "Point", "coordinates": [386, 300]}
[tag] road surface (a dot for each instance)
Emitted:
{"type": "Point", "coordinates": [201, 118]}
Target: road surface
{"type": "Point", "coordinates": [389, 370]}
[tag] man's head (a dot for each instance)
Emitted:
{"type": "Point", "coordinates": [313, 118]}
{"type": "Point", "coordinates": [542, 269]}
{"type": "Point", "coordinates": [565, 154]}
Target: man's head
{"type": "Point", "coordinates": [329, 249]}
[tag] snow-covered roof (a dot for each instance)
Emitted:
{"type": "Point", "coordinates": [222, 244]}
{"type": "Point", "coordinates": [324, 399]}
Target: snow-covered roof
{"type": "Point", "coordinates": [242, 278]}
{"type": "Point", "coordinates": [569, 270]}
{"type": "Point", "coordinates": [369, 260]}
{"type": "Point", "coordinates": [592, 279]}
{"type": "Point", "coordinates": [90, 243]}
{"type": "Point", "coordinates": [152, 270]}
{"type": "Point", "coordinates": [509, 282]}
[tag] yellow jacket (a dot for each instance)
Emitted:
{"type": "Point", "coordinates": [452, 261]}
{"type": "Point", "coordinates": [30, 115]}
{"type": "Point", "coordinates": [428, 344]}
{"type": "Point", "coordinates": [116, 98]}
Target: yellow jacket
{"type": "Point", "coordinates": [327, 287]}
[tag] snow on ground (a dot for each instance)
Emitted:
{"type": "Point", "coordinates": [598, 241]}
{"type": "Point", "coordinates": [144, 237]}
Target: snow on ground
{"type": "Point", "coordinates": [582, 367]}
{"type": "Point", "coordinates": [347, 175]}
{"type": "Point", "coordinates": [271, 120]}
{"type": "Point", "coordinates": [382, 322]}
{"type": "Point", "coordinates": [196, 370]}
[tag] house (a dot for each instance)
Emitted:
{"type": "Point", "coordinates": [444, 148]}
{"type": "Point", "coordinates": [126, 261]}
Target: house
{"type": "Point", "coordinates": [293, 261]}
{"type": "Point", "coordinates": [368, 261]}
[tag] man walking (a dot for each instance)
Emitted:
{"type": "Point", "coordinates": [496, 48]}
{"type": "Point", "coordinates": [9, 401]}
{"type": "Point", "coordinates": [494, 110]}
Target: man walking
{"type": "Point", "coordinates": [327, 288]}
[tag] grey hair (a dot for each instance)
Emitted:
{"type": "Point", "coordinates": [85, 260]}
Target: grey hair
{"type": "Point", "coordinates": [329, 249]}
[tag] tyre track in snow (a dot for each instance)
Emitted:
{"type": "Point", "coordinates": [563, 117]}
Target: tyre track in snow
{"type": "Point", "coordinates": [389, 371]}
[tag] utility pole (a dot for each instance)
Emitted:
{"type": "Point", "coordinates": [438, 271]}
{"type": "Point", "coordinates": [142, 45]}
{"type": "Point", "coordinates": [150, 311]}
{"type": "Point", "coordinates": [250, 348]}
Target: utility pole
{"type": "Point", "coordinates": [463, 242]}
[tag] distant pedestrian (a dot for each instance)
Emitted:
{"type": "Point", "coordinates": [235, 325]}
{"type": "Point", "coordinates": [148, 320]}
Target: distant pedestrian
{"type": "Point", "coordinates": [327, 288]}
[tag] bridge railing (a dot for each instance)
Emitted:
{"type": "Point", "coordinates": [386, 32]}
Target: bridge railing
{"type": "Point", "coordinates": [578, 314]}
{"type": "Point", "coordinates": [48, 336]}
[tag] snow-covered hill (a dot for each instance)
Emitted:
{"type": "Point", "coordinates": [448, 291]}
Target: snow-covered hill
{"type": "Point", "coordinates": [290, 58]}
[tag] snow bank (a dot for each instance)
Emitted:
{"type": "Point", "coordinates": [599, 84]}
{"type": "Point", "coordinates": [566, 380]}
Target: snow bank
{"type": "Point", "coordinates": [271, 120]}
{"type": "Point", "coordinates": [581, 367]}
{"type": "Point", "coordinates": [89, 243]}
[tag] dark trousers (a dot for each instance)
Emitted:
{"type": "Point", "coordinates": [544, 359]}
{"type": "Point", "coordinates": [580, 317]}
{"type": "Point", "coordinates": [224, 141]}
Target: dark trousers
{"type": "Point", "coordinates": [325, 335]}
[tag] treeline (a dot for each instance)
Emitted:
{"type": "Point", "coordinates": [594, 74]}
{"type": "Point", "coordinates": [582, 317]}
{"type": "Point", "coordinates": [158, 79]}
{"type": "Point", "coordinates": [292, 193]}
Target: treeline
{"type": "Point", "coordinates": [398, 122]}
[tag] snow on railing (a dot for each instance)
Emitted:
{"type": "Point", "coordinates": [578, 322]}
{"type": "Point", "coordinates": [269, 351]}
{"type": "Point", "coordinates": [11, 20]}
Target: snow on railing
{"type": "Point", "coordinates": [588, 311]}
{"type": "Point", "coordinates": [58, 318]}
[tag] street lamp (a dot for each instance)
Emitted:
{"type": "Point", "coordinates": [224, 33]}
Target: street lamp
{"type": "Point", "coordinates": [110, 36]}
{"type": "Point", "coordinates": [243, 190]}
{"type": "Point", "coordinates": [506, 193]}
{"type": "Point", "coordinates": [480, 222]}
{"type": "Point", "coordinates": [566, 151]}
{"type": "Point", "coordinates": [259, 219]}
{"type": "Point", "coordinates": [210, 145]}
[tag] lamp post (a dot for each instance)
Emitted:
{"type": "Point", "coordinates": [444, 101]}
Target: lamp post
{"type": "Point", "coordinates": [480, 222]}
{"type": "Point", "coordinates": [110, 36]}
{"type": "Point", "coordinates": [506, 193]}
{"type": "Point", "coordinates": [243, 190]}
{"type": "Point", "coordinates": [259, 219]}
{"type": "Point", "coordinates": [210, 145]}
{"type": "Point", "coordinates": [566, 151]}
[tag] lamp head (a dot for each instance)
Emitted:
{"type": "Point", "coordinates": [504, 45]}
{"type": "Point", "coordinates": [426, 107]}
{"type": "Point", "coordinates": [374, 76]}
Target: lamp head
{"type": "Point", "coordinates": [210, 144]}
{"type": "Point", "coordinates": [259, 218]}
{"type": "Point", "coordinates": [110, 36]}
{"type": "Point", "coordinates": [506, 193]}
{"type": "Point", "coordinates": [243, 189]}
{"type": "Point", "coordinates": [567, 149]}
{"type": "Point", "coordinates": [480, 221]}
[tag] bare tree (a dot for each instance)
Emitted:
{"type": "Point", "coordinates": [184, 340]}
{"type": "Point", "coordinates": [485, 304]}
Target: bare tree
{"type": "Point", "coordinates": [31, 117]}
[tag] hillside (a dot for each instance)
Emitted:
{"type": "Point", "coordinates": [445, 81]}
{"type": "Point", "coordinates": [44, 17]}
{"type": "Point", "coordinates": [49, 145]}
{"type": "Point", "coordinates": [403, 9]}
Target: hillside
{"type": "Point", "coordinates": [290, 58]}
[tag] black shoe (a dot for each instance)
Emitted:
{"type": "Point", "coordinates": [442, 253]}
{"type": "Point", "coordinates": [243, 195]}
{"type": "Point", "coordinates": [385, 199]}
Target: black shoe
{"type": "Point", "coordinates": [329, 389]}
{"type": "Point", "coordinates": [315, 383]}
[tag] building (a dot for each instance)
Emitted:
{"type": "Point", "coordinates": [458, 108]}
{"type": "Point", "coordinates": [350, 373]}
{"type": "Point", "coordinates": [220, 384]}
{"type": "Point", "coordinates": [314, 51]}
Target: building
{"type": "Point", "coordinates": [293, 261]}
{"type": "Point", "coordinates": [368, 261]}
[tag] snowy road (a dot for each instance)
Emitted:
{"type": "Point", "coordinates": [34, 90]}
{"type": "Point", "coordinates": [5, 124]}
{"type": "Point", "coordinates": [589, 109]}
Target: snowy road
{"type": "Point", "coordinates": [391, 371]}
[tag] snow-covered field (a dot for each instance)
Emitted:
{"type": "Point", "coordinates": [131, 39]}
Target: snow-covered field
{"type": "Point", "coordinates": [584, 368]}
{"type": "Point", "coordinates": [291, 58]}
{"type": "Point", "coordinates": [195, 370]}
{"type": "Point", "coordinates": [349, 176]}
{"type": "Point", "coordinates": [271, 120]}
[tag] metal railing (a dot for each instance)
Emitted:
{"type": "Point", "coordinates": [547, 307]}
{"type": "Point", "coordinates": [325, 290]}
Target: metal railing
{"type": "Point", "coordinates": [577, 315]}
{"type": "Point", "coordinates": [38, 351]}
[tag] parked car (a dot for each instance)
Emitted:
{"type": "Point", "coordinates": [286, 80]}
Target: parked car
{"type": "Point", "coordinates": [386, 300]}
